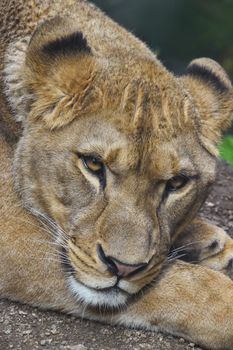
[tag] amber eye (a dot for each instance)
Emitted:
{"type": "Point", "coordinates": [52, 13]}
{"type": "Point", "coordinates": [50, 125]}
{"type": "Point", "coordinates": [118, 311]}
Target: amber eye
{"type": "Point", "coordinates": [92, 163]}
{"type": "Point", "coordinates": [176, 183]}
{"type": "Point", "coordinates": [95, 166]}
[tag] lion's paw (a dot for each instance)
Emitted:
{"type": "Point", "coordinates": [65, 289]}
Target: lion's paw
{"type": "Point", "coordinates": [222, 261]}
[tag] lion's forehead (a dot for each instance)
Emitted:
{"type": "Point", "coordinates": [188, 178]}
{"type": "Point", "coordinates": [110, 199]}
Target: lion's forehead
{"type": "Point", "coordinates": [154, 101]}
{"type": "Point", "coordinates": [124, 150]}
{"type": "Point", "coordinates": [144, 96]}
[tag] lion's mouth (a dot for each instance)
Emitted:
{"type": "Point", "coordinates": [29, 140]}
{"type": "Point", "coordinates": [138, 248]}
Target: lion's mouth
{"type": "Point", "coordinates": [107, 291]}
{"type": "Point", "coordinates": [117, 295]}
{"type": "Point", "coordinates": [108, 297]}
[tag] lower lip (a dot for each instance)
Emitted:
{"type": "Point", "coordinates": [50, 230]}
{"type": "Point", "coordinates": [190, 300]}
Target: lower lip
{"type": "Point", "coordinates": [112, 297]}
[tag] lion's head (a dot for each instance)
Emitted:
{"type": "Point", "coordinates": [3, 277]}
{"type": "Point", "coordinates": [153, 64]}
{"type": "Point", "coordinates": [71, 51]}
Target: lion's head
{"type": "Point", "coordinates": [116, 152]}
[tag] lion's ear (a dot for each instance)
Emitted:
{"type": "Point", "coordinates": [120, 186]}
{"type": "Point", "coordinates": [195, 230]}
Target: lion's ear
{"type": "Point", "coordinates": [211, 89]}
{"type": "Point", "coordinates": [209, 72]}
{"type": "Point", "coordinates": [59, 69]}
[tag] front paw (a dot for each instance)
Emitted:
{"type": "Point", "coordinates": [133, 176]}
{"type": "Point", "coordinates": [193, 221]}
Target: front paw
{"type": "Point", "coordinates": [222, 261]}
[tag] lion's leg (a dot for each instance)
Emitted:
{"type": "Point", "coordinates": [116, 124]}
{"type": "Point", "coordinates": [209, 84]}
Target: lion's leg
{"type": "Point", "coordinates": [208, 245]}
{"type": "Point", "coordinates": [187, 300]}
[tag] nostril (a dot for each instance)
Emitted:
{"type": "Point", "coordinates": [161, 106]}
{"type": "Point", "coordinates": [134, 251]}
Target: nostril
{"type": "Point", "coordinates": [118, 268]}
{"type": "Point", "coordinates": [107, 261]}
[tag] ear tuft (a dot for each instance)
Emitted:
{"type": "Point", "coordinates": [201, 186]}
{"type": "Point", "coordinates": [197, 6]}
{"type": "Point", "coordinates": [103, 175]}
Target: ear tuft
{"type": "Point", "coordinates": [210, 72]}
{"type": "Point", "coordinates": [71, 44]}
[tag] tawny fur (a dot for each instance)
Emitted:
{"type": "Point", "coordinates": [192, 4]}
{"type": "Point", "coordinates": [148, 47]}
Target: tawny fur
{"type": "Point", "coordinates": [77, 83]}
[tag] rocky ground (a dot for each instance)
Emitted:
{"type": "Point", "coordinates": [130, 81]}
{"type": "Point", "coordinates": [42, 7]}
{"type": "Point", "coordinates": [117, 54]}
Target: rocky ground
{"type": "Point", "coordinates": [26, 328]}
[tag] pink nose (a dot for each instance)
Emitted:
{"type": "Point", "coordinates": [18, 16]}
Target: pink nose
{"type": "Point", "coordinates": [124, 270]}
{"type": "Point", "coordinates": [117, 267]}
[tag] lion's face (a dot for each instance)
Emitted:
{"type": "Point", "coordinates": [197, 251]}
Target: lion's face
{"type": "Point", "coordinates": [119, 154]}
{"type": "Point", "coordinates": [120, 198]}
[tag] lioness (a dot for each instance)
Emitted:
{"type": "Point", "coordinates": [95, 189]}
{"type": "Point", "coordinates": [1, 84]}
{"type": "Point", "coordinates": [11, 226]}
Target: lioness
{"type": "Point", "coordinates": [114, 157]}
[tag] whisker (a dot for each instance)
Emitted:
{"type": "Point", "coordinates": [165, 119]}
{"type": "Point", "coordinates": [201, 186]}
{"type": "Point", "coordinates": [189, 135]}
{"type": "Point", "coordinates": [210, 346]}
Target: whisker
{"type": "Point", "coordinates": [169, 260]}
{"type": "Point", "coordinates": [188, 245]}
{"type": "Point", "coordinates": [51, 243]}
{"type": "Point", "coordinates": [47, 222]}
{"type": "Point", "coordinates": [36, 226]}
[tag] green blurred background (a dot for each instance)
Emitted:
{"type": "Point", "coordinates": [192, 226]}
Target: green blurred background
{"type": "Point", "coordinates": [180, 30]}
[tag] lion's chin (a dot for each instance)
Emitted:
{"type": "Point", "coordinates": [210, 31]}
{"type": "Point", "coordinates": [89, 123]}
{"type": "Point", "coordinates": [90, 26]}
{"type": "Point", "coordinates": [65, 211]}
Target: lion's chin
{"type": "Point", "coordinates": [109, 297]}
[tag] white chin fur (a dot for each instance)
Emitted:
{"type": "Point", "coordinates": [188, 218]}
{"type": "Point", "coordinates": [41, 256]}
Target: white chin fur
{"type": "Point", "coordinates": [96, 298]}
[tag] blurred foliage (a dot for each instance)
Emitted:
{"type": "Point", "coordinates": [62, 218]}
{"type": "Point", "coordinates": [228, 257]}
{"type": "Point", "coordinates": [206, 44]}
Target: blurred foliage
{"type": "Point", "coordinates": [180, 30]}
{"type": "Point", "coordinates": [226, 149]}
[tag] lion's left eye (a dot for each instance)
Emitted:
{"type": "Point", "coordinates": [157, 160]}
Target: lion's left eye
{"type": "Point", "coordinates": [176, 183]}
{"type": "Point", "coordinates": [95, 166]}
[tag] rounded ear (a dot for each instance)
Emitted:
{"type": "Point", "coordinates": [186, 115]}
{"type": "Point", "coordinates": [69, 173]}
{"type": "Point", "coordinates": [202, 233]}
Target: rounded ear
{"type": "Point", "coordinates": [212, 92]}
{"type": "Point", "coordinates": [209, 72]}
{"type": "Point", "coordinates": [53, 41]}
{"type": "Point", "coordinates": [60, 68]}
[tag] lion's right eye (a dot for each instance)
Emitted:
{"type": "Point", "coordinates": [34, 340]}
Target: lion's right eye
{"type": "Point", "coordinates": [95, 166]}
